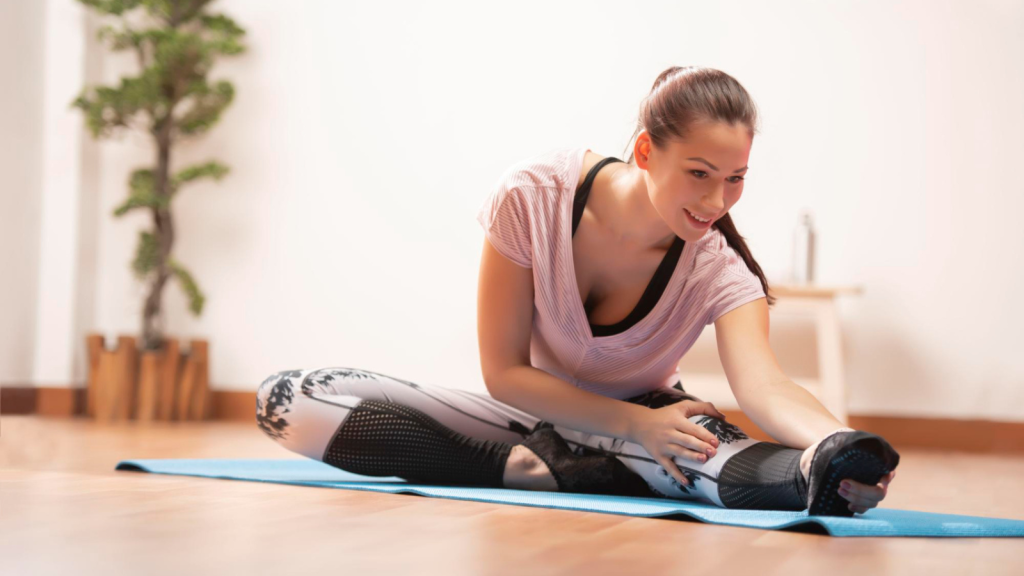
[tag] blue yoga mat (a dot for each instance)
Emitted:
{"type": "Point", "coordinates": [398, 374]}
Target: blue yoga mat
{"type": "Point", "coordinates": [308, 472]}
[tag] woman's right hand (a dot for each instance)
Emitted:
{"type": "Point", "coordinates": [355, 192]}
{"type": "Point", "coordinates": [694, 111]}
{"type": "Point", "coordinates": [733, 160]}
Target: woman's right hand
{"type": "Point", "coordinates": [667, 432]}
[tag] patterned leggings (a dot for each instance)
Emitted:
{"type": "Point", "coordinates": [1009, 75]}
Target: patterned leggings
{"type": "Point", "coordinates": [303, 409]}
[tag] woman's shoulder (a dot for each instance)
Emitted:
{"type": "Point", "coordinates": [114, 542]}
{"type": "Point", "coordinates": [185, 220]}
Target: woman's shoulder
{"type": "Point", "coordinates": [713, 246]}
{"type": "Point", "coordinates": [555, 168]}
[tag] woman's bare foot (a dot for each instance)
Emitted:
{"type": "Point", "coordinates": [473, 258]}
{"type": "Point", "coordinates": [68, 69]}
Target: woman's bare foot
{"type": "Point", "coordinates": [525, 471]}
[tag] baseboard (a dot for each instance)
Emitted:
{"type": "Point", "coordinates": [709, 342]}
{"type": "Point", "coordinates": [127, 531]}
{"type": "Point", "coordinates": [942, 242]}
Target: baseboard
{"type": "Point", "coordinates": [70, 402]}
{"type": "Point", "coordinates": [978, 436]}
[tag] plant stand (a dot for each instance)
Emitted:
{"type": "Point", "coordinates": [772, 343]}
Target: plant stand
{"type": "Point", "coordinates": [158, 385]}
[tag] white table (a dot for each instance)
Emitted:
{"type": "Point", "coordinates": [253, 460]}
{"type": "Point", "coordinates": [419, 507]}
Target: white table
{"type": "Point", "coordinates": [819, 301]}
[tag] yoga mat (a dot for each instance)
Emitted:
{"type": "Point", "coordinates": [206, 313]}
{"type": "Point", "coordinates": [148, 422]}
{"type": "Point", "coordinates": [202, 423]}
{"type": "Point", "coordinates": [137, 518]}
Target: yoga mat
{"type": "Point", "coordinates": [309, 472]}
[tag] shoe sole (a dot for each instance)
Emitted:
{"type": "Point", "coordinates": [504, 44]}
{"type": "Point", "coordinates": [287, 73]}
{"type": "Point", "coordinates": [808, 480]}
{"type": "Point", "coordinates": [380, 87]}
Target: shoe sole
{"type": "Point", "coordinates": [866, 460]}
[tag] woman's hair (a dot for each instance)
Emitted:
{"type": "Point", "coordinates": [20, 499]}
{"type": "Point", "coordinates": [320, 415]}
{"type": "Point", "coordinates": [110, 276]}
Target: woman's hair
{"type": "Point", "coordinates": [688, 95]}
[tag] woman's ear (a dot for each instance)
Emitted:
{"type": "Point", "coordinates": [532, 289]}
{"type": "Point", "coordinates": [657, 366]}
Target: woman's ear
{"type": "Point", "coordinates": [642, 149]}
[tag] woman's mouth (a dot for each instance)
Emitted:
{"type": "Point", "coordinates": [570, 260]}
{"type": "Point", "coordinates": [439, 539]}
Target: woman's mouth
{"type": "Point", "coordinates": [697, 223]}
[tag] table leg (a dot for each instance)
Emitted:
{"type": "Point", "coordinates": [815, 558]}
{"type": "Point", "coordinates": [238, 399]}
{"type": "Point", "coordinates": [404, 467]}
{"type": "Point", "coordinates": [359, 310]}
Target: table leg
{"type": "Point", "coordinates": [830, 359]}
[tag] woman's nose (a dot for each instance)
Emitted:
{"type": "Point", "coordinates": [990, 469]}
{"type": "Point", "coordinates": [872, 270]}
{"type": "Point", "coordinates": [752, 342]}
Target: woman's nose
{"type": "Point", "coordinates": [715, 201]}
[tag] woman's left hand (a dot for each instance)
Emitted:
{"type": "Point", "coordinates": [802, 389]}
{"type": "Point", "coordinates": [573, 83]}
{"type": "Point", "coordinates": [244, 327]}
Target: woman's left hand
{"type": "Point", "coordinates": [864, 496]}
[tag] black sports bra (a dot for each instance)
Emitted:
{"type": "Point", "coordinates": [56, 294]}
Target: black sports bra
{"type": "Point", "coordinates": [655, 288]}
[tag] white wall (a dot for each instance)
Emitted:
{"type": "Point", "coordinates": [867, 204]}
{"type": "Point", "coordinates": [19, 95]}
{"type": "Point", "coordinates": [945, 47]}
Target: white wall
{"type": "Point", "coordinates": [365, 136]}
{"type": "Point", "coordinates": [21, 59]}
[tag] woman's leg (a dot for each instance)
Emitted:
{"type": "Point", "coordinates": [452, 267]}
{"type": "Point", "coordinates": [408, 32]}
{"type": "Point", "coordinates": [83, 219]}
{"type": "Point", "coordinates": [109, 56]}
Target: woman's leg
{"type": "Point", "coordinates": [374, 424]}
{"type": "Point", "coordinates": [377, 425]}
{"type": "Point", "coordinates": [744, 473]}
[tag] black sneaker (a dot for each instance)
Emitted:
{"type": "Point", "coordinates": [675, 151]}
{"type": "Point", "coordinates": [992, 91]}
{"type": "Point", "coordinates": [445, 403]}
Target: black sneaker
{"type": "Point", "coordinates": [593, 474]}
{"type": "Point", "coordinates": [857, 455]}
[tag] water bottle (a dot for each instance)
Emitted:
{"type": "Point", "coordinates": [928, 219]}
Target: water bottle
{"type": "Point", "coordinates": [803, 250]}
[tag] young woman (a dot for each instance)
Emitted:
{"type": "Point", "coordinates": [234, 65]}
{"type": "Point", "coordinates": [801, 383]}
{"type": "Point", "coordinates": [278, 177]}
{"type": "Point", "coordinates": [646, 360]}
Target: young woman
{"type": "Point", "coordinates": [597, 276]}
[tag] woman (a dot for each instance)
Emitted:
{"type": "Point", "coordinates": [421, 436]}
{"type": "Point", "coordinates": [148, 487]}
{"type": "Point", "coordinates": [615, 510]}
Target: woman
{"type": "Point", "coordinates": [597, 276]}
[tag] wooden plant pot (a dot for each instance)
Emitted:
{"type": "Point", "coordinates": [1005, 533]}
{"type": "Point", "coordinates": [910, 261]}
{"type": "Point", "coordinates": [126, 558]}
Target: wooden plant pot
{"type": "Point", "coordinates": [161, 385]}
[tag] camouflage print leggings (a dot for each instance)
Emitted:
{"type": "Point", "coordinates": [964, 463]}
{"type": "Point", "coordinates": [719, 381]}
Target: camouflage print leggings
{"type": "Point", "coordinates": [303, 409]}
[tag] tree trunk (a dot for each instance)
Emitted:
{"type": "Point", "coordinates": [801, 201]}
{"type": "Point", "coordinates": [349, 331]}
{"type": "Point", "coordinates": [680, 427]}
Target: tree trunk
{"type": "Point", "coordinates": [152, 316]}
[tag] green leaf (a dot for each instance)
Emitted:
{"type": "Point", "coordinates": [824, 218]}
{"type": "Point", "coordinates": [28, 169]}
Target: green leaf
{"type": "Point", "coordinates": [143, 193]}
{"type": "Point", "coordinates": [177, 55]}
{"type": "Point", "coordinates": [115, 7]}
{"type": "Point", "coordinates": [147, 255]}
{"type": "Point", "coordinates": [107, 108]}
{"type": "Point", "coordinates": [222, 24]}
{"type": "Point", "coordinates": [207, 104]}
{"type": "Point", "coordinates": [120, 39]}
{"type": "Point", "coordinates": [226, 34]}
{"type": "Point", "coordinates": [188, 285]}
{"type": "Point", "coordinates": [211, 169]}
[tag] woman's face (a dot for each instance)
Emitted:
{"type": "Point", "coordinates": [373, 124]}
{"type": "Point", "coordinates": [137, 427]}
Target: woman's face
{"type": "Point", "coordinates": [702, 176]}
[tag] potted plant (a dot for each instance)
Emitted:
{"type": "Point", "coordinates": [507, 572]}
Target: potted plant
{"type": "Point", "coordinates": [172, 99]}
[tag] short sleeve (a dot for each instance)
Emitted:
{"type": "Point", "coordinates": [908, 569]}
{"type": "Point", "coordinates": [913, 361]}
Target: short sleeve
{"type": "Point", "coordinates": [733, 286]}
{"type": "Point", "coordinates": [505, 217]}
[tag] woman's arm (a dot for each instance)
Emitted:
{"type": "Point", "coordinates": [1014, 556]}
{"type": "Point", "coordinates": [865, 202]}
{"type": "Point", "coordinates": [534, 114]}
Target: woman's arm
{"type": "Point", "coordinates": [785, 410]}
{"type": "Point", "coordinates": [504, 328]}
{"type": "Point", "coordinates": [554, 400]}
{"type": "Point", "coordinates": [782, 408]}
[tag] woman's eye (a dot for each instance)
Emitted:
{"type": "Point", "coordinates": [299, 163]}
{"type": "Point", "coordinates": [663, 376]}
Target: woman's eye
{"type": "Point", "coordinates": [700, 174]}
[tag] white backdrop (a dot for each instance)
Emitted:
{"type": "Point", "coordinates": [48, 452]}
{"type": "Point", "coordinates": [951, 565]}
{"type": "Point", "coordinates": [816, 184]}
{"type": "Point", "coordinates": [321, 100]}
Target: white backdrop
{"type": "Point", "coordinates": [365, 136]}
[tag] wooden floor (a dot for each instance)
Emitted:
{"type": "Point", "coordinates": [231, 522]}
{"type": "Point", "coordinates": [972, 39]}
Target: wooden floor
{"type": "Point", "coordinates": [64, 510]}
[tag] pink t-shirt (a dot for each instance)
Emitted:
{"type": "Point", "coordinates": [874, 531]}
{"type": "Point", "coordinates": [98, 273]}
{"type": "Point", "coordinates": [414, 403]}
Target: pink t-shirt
{"type": "Point", "coordinates": [528, 219]}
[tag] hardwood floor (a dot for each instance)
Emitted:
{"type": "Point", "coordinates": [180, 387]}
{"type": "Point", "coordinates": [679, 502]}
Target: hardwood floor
{"type": "Point", "coordinates": [64, 510]}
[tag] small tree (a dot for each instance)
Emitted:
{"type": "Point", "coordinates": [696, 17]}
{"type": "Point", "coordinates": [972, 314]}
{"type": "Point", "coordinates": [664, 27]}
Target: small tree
{"type": "Point", "coordinates": [176, 42]}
